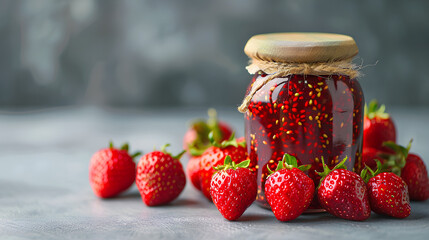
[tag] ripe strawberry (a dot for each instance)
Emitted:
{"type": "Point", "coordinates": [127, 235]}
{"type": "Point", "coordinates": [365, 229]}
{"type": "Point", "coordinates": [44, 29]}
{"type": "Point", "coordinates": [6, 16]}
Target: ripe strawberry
{"type": "Point", "coordinates": [196, 139]}
{"type": "Point", "coordinates": [343, 193]}
{"type": "Point", "coordinates": [192, 170]}
{"type": "Point", "coordinates": [378, 127]}
{"type": "Point", "coordinates": [215, 156]}
{"type": "Point", "coordinates": [112, 171]}
{"type": "Point", "coordinates": [415, 175]}
{"type": "Point", "coordinates": [233, 188]}
{"type": "Point", "coordinates": [289, 190]}
{"type": "Point", "coordinates": [388, 193]}
{"type": "Point", "coordinates": [160, 177]}
{"type": "Point", "coordinates": [410, 167]}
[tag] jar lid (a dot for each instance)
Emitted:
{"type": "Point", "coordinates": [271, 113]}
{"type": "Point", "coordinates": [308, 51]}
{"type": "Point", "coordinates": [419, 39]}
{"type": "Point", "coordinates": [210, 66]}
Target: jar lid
{"type": "Point", "coordinates": [301, 47]}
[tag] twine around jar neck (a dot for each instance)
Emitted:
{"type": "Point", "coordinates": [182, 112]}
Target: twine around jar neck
{"type": "Point", "coordinates": [277, 69]}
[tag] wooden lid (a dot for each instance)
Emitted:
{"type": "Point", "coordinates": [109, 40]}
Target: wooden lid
{"type": "Point", "coordinates": [301, 47]}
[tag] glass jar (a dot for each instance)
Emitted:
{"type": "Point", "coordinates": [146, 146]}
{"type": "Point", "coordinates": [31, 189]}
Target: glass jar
{"type": "Point", "coordinates": [308, 116]}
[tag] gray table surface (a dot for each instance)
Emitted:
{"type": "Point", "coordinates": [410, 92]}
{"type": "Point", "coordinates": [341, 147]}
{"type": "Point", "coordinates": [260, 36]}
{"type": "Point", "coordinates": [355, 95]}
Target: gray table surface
{"type": "Point", "coordinates": [45, 194]}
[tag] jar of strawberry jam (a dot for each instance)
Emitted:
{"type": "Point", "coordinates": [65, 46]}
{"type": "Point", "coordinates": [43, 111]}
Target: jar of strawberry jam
{"type": "Point", "coordinates": [304, 99]}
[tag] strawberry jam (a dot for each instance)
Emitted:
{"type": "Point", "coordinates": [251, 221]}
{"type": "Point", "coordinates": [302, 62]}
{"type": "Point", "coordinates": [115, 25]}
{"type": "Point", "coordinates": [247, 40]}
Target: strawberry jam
{"type": "Point", "coordinates": [309, 117]}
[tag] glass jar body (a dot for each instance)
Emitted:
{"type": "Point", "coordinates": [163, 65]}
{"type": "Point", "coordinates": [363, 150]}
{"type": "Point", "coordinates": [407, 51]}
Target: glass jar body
{"type": "Point", "coordinates": [309, 117]}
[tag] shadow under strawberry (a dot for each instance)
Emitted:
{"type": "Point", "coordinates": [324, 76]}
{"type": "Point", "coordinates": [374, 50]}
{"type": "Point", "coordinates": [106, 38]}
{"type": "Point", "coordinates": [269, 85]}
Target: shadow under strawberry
{"type": "Point", "coordinates": [183, 203]}
{"type": "Point", "coordinates": [124, 196]}
{"type": "Point", "coordinates": [313, 218]}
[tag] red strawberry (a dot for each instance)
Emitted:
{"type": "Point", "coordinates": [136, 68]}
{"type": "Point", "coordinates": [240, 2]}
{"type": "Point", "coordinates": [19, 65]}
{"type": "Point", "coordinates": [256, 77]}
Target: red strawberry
{"type": "Point", "coordinates": [112, 171]}
{"type": "Point", "coordinates": [233, 188]}
{"type": "Point", "coordinates": [410, 167]}
{"type": "Point", "coordinates": [196, 138]}
{"type": "Point", "coordinates": [289, 190]}
{"type": "Point", "coordinates": [215, 156]}
{"type": "Point", "coordinates": [343, 193]}
{"type": "Point", "coordinates": [388, 193]}
{"type": "Point", "coordinates": [415, 175]}
{"type": "Point", "coordinates": [160, 177]}
{"type": "Point", "coordinates": [378, 127]}
{"type": "Point", "coordinates": [192, 170]}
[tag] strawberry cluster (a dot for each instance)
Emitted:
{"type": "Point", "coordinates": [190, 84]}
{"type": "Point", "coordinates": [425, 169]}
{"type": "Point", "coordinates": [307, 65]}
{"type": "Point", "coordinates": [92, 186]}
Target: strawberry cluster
{"type": "Point", "coordinates": [384, 181]}
{"type": "Point", "coordinates": [159, 176]}
{"type": "Point", "coordinates": [379, 144]}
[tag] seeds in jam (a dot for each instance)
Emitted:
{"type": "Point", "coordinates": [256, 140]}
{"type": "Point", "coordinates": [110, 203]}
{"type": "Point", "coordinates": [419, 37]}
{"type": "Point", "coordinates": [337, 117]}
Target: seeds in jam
{"type": "Point", "coordinates": [308, 117]}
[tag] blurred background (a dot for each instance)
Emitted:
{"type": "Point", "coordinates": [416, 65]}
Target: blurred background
{"type": "Point", "coordinates": [189, 53]}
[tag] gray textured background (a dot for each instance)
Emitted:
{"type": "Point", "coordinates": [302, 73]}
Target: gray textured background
{"type": "Point", "coordinates": [153, 53]}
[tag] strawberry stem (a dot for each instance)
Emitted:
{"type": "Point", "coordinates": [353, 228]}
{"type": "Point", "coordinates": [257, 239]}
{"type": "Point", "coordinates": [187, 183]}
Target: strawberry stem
{"type": "Point", "coordinates": [125, 147]}
{"type": "Point", "coordinates": [163, 148]}
{"type": "Point", "coordinates": [178, 156]}
{"type": "Point", "coordinates": [136, 154]}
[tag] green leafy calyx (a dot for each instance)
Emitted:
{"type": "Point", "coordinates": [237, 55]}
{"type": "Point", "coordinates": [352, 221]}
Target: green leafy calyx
{"type": "Point", "coordinates": [373, 110]}
{"type": "Point", "coordinates": [232, 141]}
{"type": "Point", "coordinates": [229, 164]}
{"type": "Point", "coordinates": [396, 161]}
{"type": "Point", "coordinates": [367, 173]}
{"type": "Point", "coordinates": [203, 128]}
{"type": "Point", "coordinates": [289, 162]}
{"type": "Point", "coordinates": [327, 170]}
{"type": "Point", "coordinates": [125, 147]}
{"type": "Point", "coordinates": [178, 156]}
